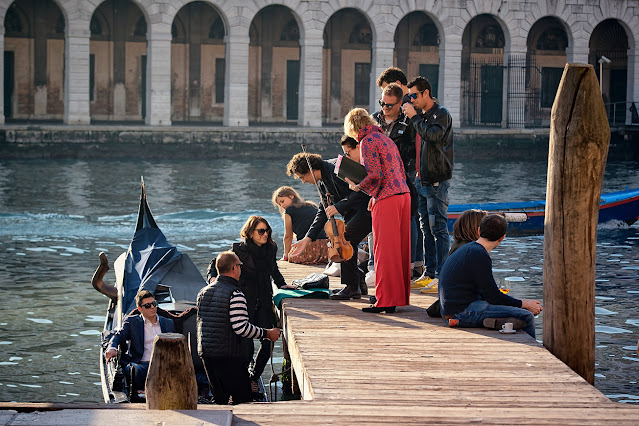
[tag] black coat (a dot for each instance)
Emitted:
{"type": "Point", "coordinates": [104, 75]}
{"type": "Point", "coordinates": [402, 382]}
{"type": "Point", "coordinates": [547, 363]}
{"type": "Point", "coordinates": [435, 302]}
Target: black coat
{"type": "Point", "coordinates": [255, 282]}
{"type": "Point", "coordinates": [348, 203]}
{"type": "Point", "coordinates": [435, 127]}
{"type": "Point", "coordinates": [404, 137]}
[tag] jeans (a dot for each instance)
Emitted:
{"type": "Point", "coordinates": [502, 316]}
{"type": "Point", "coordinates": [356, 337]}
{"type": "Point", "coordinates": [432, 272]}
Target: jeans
{"type": "Point", "coordinates": [416, 240]}
{"type": "Point", "coordinates": [141, 370]}
{"type": "Point", "coordinates": [433, 215]}
{"type": "Point", "coordinates": [476, 312]}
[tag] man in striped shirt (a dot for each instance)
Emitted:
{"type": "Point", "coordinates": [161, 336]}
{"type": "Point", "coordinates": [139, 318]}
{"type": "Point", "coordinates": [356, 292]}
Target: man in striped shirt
{"type": "Point", "coordinates": [224, 333]}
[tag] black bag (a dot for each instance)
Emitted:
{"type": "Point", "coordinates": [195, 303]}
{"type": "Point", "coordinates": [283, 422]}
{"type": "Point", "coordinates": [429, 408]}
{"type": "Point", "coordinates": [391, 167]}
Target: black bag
{"type": "Point", "coordinates": [315, 280]}
{"type": "Point", "coordinates": [414, 201]}
{"type": "Point", "coordinates": [434, 310]}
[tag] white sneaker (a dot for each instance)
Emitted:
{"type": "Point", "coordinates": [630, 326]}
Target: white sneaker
{"type": "Point", "coordinates": [370, 278]}
{"type": "Point", "coordinates": [333, 269]}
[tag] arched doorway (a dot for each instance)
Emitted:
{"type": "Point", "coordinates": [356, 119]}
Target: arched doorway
{"type": "Point", "coordinates": [274, 66]}
{"type": "Point", "coordinates": [482, 72]}
{"type": "Point", "coordinates": [117, 62]}
{"type": "Point", "coordinates": [609, 44]}
{"type": "Point", "coordinates": [417, 48]}
{"type": "Point", "coordinates": [198, 62]}
{"type": "Point", "coordinates": [546, 58]}
{"type": "Point", "coordinates": [346, 66]}
{"type": "Point", "coordinates": [34, 61]}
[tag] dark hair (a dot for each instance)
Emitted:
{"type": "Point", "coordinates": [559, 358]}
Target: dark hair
{"type": "Point", "coordinates": [250, 225]}
{"type": "Point", "coordinates": [467, 224]}
{"type": "Point", "coordinates": [391, 75]}
{"type": "Point", "coordinates": [394, 90]}
{"type": "Point", "coordinates": [225, 262]}
{"type": "Point", "coordinates": [349, 142]}
{"type": "Point", "coordinates": [493, 227]}
{"type": "Point", "coordinates": [141, 296]}
{"type": "Point", "coordinates": [422, 84]}
{"type": "Point", "coordinates": [299, 166]}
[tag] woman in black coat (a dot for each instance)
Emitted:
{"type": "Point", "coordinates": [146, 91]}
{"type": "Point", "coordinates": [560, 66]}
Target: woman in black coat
{"type": "Point", "coordinates": [258, 254]}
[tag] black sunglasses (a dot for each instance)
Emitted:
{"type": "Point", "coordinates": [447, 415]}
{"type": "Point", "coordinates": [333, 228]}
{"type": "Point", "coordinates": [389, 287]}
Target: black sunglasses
{"type": "Point", "coordinates": [389, 106]}
{"type": "Point", "coordinates": [148, 305]}
{"type": "Point", "coordinates": [262, 231]}
{"type": "Point", "coordinates": [414, 95]}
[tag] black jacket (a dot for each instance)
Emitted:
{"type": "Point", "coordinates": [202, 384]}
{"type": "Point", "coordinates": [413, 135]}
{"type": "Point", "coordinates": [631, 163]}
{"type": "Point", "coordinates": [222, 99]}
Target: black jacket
{"type": "Point", "coordinates": [435, 127]}
{"type": "Point", "coordinates": [347, 202]}
{"type": "Point", "coordinates": [215, 336]}
{"type": "Point", "coordinates": [404, 137]}
{"type": "Point", "coordinates": [255, 282]}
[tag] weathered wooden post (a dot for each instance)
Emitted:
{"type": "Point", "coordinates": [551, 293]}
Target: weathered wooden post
{"type": "Point", "coordinates": [579, 139]}
{"type": "Point", "coordinates": [170, 383]}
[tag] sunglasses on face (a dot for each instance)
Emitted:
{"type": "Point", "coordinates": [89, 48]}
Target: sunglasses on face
{"type": "Point", "coordinates": [414, 95]}
{"type": "Point", "coordinates": [239, 265]}
{"type": "Point", "coordinates": [262, 231]}
{"type": "Point", "coordinates": [148, 305]}
{"type": "Point", "coordinates": [385, 105]}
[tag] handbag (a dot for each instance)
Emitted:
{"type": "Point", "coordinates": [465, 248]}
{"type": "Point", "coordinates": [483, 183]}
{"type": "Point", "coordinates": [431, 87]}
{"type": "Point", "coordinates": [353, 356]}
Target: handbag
{"type": "Point", "coordinates": [314, 280]}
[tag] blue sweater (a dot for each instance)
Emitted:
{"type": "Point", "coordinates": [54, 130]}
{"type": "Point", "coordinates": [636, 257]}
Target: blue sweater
{"type": "Point", "coordinates": [467, 276]}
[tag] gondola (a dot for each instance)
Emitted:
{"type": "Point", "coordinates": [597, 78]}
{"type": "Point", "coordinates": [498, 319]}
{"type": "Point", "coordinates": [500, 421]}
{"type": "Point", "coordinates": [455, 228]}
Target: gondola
{"type": "Point", "coordinates": [527, 217]}
{"type": "Point", "coordinates": [152, 263]}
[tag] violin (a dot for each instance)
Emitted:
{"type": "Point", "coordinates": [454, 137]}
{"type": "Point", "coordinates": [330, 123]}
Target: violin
{"type": "Point", "coordinates": [339, 250]}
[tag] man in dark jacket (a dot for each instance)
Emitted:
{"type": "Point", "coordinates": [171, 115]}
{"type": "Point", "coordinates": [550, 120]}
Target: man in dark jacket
{"type": "Point", "coordinates": [434, 127]}
{"type": "Point", "coordinates": [353, 206]}
{"type": "Point", "coordinates": [138, 331]}
{"type": "Point", "coordinates": [224, 333]}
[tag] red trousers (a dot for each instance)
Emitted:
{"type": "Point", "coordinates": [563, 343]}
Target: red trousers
{"type": "Point", "coordinates": [391, 247]}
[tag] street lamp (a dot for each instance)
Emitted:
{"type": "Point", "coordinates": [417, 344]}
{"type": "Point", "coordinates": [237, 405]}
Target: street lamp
{"type": "Point", "coordinates": [601, 62]}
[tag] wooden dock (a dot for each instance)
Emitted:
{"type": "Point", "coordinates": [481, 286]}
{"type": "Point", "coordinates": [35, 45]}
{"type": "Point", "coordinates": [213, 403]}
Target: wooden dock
{"type": "Point", "coordinates": [402, 368]}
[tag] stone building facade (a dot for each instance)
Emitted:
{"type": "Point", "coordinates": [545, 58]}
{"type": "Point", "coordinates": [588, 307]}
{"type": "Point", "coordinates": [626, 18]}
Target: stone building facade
{"type": "Point", "coordinates": [491, 62]}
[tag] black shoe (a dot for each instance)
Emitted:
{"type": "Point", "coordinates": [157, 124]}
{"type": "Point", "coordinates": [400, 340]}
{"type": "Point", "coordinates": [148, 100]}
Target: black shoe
{"type": "Point", "coordinates": [372, 300]}
{"type": "Point", "coordinates": [417, 272]}
{"type": "Point", "coordinates": [498, 323]}
{"type": "Point", "coordinates": [346, 294]}
{"type": "Point", "coordinates": [378, 309]}
{"type": "Point", "coordinates": [363, 287]}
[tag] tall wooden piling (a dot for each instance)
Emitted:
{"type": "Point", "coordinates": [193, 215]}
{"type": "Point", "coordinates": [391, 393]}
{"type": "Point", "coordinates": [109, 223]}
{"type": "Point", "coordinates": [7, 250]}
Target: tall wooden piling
{"type": "Point", "coordinates": [579, 139]}
{"type": "Point", "coordinates": [170, 383]}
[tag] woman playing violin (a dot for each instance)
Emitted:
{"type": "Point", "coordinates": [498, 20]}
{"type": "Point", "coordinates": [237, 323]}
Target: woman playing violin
{"type": "Point", "coordinates": [390, 207]}
{"type": "Point", "coordinates": [352, 206]}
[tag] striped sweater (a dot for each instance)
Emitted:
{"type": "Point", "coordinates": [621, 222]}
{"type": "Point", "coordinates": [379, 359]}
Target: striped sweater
{"type": "Point", "coordinates": [238, 314]}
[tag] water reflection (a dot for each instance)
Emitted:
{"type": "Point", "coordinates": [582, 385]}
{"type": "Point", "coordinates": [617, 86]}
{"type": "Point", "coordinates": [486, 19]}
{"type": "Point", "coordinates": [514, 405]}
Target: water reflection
{"type": "Point", "coordinates": [51, 231]}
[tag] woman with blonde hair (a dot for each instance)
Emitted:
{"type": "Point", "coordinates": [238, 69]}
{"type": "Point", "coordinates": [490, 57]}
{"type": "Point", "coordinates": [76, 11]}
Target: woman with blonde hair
{"type": "Point", "coordinates": [298, 216]}
{"type": "Point", "coordinates": [390, 208]}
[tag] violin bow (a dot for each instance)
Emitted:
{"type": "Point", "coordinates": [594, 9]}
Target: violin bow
{"type": "Point", "coordinates": [308, 161]}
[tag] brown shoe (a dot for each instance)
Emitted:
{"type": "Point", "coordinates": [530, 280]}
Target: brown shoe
{"type": "Point", "coordinates": [346, 294]}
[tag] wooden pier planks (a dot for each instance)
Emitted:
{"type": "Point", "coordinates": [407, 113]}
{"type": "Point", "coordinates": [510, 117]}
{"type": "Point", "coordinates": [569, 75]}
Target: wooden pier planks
{"type": "Point", "coordinates": [398, 362]}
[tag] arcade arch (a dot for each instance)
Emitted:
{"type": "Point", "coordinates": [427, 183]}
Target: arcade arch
{"type": "Point", "coordinates": [34, 61]}
{"type": "Point", "coordinates": [117, 62]}
{"type": "Point", "coordinates": [346, 64]}
{"type": "Point", "coordinates": [198, 62]}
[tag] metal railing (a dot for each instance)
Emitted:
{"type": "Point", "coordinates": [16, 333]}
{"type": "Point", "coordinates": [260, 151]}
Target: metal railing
{"type": "Point", "coordinates": [622, 114]}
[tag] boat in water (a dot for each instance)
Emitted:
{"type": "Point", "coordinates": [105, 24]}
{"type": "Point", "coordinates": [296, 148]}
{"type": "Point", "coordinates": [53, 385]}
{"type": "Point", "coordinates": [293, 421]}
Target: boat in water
{"type": "Point", "coordinates": [152, 263]}
{"type": "Point", "coordinates": [527, 217]}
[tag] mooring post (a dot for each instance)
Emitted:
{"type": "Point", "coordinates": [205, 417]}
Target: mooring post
{"type": "Point", "coordinates": [170, 383]}
{"type": "Point", "coordinates": [579, 139]}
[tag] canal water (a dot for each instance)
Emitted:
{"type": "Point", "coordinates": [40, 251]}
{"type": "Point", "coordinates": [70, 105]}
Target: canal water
{"type": "Point", "coordinates": [57, 215]}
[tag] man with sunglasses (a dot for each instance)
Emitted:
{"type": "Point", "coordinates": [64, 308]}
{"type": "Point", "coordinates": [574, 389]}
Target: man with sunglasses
{"type": "Point", "coordinates": [224, 333]}
{"type": "Point", "coordinates": [434, 146]}
{"type": "Point", "coordinates": [139, 331]}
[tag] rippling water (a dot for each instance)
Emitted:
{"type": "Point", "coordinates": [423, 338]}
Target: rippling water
{"type": "Point", "coordinates": [57, 215]}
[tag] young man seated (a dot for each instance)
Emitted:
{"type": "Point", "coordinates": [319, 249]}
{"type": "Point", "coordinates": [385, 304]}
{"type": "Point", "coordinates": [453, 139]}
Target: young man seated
{"type": "Point", "coordinates": [468, 293]}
